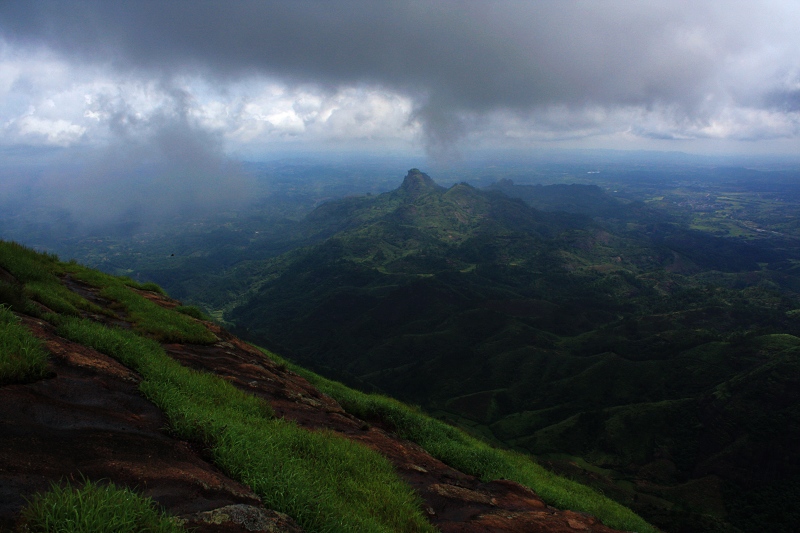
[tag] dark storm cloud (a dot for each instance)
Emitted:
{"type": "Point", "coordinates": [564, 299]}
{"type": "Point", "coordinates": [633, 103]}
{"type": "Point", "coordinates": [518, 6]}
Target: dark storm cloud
{"type": "Point", "coordinates": [477, 54]}
{"type": "Point", "coordinates": [451, 57]}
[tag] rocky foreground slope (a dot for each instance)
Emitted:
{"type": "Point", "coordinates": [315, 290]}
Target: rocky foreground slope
{"type": "Point", "coordinates": [87, 419]}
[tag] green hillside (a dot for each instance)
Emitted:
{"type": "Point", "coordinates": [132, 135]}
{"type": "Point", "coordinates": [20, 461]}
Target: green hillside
{"type": "Point", "coordinates": [619, 345]}
{"type": "Point", "coordinates": [323, 480]}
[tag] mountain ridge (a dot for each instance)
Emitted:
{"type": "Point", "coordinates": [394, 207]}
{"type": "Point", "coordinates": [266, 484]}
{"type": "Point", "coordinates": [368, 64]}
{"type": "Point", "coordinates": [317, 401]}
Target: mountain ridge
{"type": "Point", "coordinates": [550, 331]}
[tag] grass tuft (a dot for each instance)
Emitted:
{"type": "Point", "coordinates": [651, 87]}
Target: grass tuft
{"type": "Point", "coordinates": [147, 286]}
{"type": "Point", "coordinates": [94, 508]}
{"type": "Point", "coordinates": [22, 357]}
{"type": "Point", "coordinates": [191, 311]}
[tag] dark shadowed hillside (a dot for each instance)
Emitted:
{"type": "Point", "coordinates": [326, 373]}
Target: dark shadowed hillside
{"type": "Point", "coordinates": [121, 407]}
{"type": "Point", "coordinates": [654, 360]}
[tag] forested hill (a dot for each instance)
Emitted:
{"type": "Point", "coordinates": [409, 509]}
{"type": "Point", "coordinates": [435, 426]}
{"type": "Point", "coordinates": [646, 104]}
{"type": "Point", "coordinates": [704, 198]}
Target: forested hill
{"type": "Point", "coordinates": [653, 359]}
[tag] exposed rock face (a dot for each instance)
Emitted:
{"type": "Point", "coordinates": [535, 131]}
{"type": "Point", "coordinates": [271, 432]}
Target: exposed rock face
{"type": "Point", "coordinates": [250, 517]}
{"type": "Point", "coordinates": [90, 420]}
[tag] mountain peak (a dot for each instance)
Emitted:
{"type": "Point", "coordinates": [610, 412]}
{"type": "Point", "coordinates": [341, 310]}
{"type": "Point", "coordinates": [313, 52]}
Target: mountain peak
{"type": "Point", "coordinates": [417, 182]}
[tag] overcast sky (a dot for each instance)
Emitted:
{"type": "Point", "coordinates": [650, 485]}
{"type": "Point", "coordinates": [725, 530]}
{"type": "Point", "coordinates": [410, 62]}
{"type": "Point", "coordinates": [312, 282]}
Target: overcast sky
{"type": "Point", "coordinates": [183, 85]}
{"type": "Point", "coordinates": [262, 76]}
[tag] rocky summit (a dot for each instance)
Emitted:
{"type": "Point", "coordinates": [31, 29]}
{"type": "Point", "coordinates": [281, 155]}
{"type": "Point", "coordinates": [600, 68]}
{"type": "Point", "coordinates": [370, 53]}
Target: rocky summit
{"type": "Point", "coordinates": [417, 183]}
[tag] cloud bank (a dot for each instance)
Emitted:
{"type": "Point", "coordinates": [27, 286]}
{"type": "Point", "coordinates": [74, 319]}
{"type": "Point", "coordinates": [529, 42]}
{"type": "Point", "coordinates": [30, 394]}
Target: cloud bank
{"type": "Point", "coordinates": [433, 70]}
{"type": "Point", "coordinates": [191, 83]}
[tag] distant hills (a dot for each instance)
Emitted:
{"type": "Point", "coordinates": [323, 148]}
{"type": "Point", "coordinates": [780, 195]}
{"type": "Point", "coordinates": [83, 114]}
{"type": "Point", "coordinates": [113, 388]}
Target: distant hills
{"type": "Point", "coordinates": [623, 347]}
